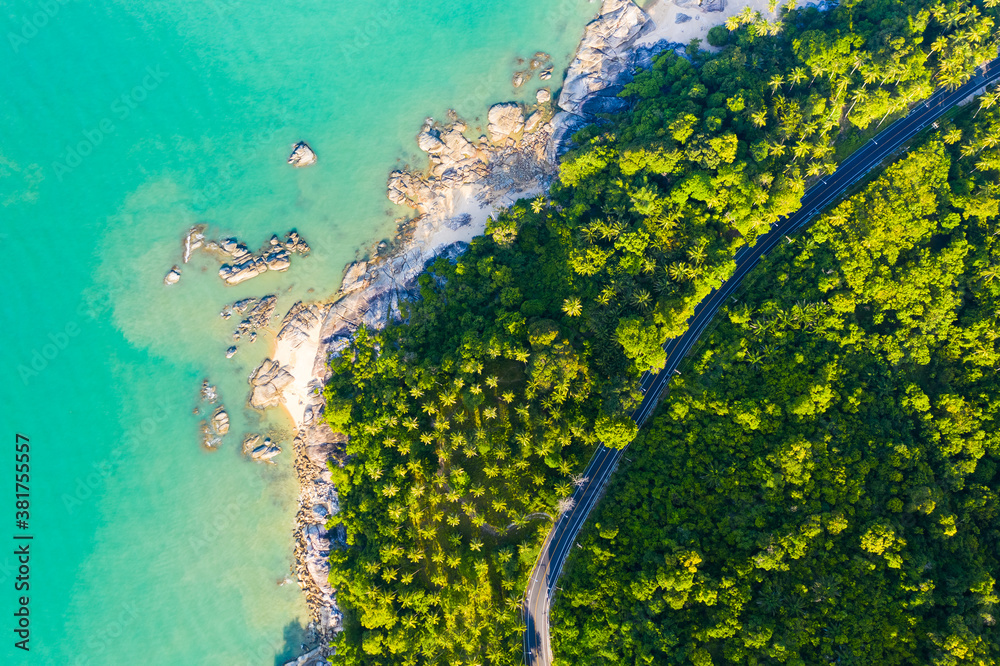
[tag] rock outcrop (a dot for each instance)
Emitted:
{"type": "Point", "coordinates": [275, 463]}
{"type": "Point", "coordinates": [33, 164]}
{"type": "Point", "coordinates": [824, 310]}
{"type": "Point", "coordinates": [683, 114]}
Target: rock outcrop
{"type": "Point", "coordinates": [604, 53]}
{"type": "Point", "coordinates": [258, 451]}
{"type": "Point", "coordinates": [314, 448]}
{"type": "Point", "coordinates": [506, 121]}
{"type": "Point", "coordinates": [239, 263]}
{"type": "Point", "coordinates": [274, 256]}
{"type": "Point", "coordinates": [193, 239]}
{"type": "Point", "coordinates": [268, 381]}
{"type": "Point", "coordinates": [214, 429]}
{"type": "Point", "coordinates": [257, 313]}
{"type": "Point", "coordinates": [208, 392]}
{"type": "Point", "coordinates": [302, 155]}
{"type": "Point", "coordinates": [220, 421]}
{"type": "Point", "coordinates": [605, 61]}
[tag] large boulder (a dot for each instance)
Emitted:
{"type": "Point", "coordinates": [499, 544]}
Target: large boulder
{"type": "Point", "coordinates": [268, 382]}
{"type": "Point", "coordinates": [264, 453]}
{"type": "Point", "coordinates": [220, 421]}
{"type": "Point", "coordinates": [302, 155]}
{"type": "Point", "coordinates": [604, 52]}
{"type": "Point", "coordinates": [505, 120]}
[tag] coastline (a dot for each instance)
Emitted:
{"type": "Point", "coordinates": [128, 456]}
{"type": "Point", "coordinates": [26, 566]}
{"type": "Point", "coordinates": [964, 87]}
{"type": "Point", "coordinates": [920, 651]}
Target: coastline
{"type": "Point", "coordinates": [465, 183]}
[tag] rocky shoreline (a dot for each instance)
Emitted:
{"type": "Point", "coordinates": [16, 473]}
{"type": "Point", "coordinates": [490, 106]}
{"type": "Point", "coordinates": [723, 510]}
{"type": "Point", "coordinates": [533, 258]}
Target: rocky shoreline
{"type": "Point", "coordinates": [465, 182]}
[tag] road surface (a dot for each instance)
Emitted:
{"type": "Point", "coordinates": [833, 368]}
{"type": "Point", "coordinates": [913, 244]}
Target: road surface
{"type": "Point", "coordinates": [542, 584]}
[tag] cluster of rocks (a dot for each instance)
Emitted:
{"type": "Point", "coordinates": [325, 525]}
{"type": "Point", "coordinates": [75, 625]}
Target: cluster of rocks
{"type": "Point", "coordinates": [300, 319]}
{"type": "Point", "coordinates": [260, 451]}
{"type": "Point", "coordinates": [275, 255]}
{"type": "Point", "coordinates": [315, 448]}
{"type": "Point", "coordinates": [213, 429]}
{"type": "Point", "coordinates": [508, 159]}
{"type": "Point", "coordinates": [257, 313]}
{"type": "Point", "coordinates": [216, 426]}
{"type": "Point", "coordinates": [541, 61]}
{"type": "Point", "coordinates": [239, 263]}
{"type": "Point", "coordinates": [302, 155]}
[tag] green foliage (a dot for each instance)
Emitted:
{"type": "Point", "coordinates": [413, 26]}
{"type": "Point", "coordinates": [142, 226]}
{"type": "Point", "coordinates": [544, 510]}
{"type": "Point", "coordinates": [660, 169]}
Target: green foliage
{"type": "Point", "coordinates": [825, 489]}
{"type": "Point", "coordinates": [615, 432]}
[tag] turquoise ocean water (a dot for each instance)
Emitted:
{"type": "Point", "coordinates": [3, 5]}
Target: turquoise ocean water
{"type": "Point", "coordinates": [121, 124]}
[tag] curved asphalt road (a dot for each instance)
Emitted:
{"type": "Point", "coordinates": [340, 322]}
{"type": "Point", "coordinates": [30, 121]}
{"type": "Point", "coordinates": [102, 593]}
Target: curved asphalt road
{"type": "Point", "coordinates": [542, 584]}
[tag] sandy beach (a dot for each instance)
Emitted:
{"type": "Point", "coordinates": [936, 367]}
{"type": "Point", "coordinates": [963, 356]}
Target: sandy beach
{"type": "Point", "coordinates": [665, 13]}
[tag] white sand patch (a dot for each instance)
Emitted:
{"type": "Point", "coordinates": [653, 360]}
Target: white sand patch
{"type": "Point", "coordinates": [664, 15]}
{"type": "Point", "coordinates": [298, 357]}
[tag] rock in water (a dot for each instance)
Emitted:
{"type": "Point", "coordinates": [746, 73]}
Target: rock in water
{"type": "Point", "coordinates": [505, 120]}
{"type": "Point", "coordinates": [194, 239]}
{"type": "Point", "coordinates": [268, 381]}
{"type": "Point", "coordinates": [250, 442]}
{"type": "Point", "coordinates": [208, 392]}
{"type": "Point", "coordinates": [543, 96]}
{"type": "Point", "coordinates": [220, 421]}
{"type": "Point", "coordinates": [173, 276]}
{"type": "Point", "coordinates": [231, 352]}
{"type": "Point", "coordinates": [265, 452]}
{"type": "Point", "coordinates": [302, 155]}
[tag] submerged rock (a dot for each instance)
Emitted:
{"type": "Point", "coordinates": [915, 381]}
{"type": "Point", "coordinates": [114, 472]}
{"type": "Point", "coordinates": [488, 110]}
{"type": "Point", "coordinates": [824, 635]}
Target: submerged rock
{"type": "Point", "coordinates": [302, 155]}
{"type": "Point", "coordinates": [250, 442]}
{"type": "Point", "coordinates": [208, 392]}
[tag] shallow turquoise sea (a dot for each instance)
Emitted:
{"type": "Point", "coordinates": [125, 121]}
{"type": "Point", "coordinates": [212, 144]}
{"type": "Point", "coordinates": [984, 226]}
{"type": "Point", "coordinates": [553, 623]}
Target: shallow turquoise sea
{"type": "Point", "coordinates": [121, 124]}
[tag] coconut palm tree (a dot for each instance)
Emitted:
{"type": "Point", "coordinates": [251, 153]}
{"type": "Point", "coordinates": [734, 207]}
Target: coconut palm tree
{"type": "Point", "coordinates": [572, 306]}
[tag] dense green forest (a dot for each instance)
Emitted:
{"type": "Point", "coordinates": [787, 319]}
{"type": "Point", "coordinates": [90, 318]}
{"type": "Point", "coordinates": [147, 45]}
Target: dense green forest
{"type": "Point", "coordinates": [468, 422]}
{"type": "Point", "coordinates": [821, 485]}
